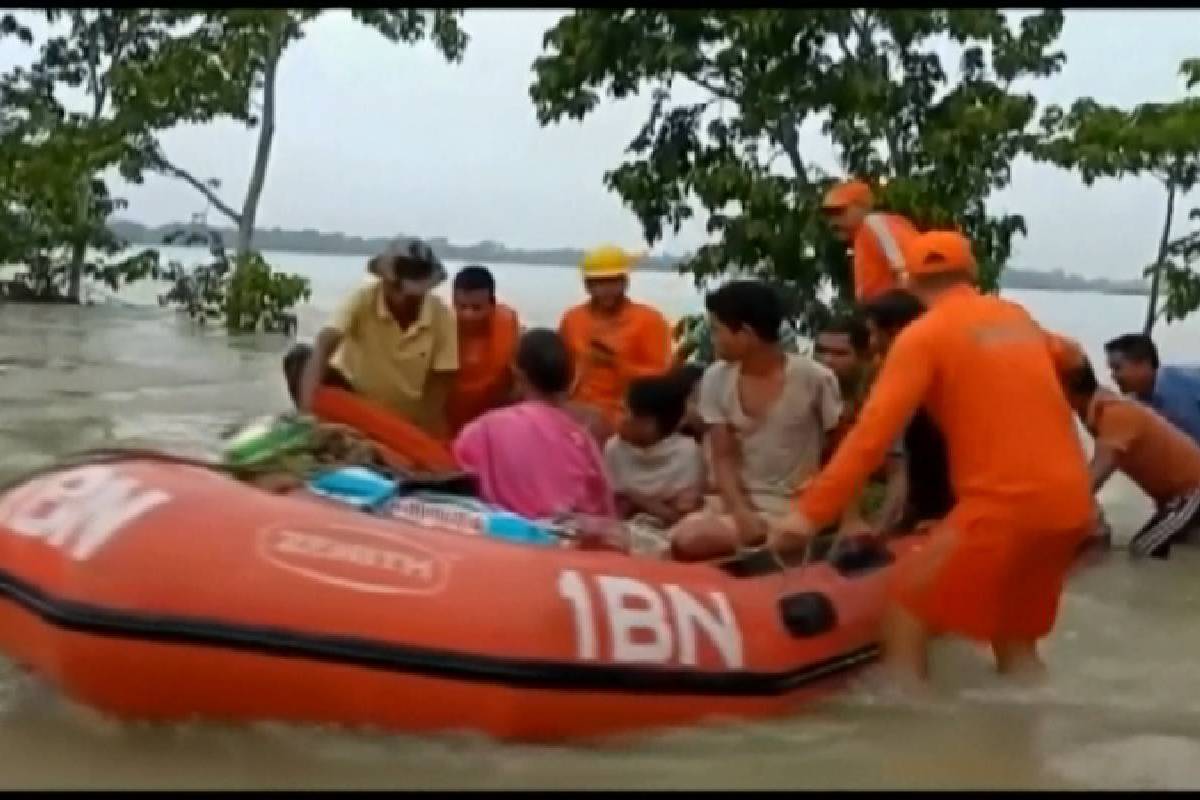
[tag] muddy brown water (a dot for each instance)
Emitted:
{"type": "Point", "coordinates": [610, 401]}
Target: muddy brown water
{"type": "Point", "coordinates": [1120, 710]}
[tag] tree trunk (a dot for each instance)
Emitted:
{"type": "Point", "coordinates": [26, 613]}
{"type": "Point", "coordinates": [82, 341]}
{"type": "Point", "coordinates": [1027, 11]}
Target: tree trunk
{"type": "Point", "coordinates": [75, 274]}
{"type": "Point", "coordinates": [789, 141]}
{"type": "Point", "coordinates": [1156, 274]}
{"type": "Point", "coordinates": [79, 241]}
{"type": "Point", "coordinates": [262, 155]}
{"type": "Point", "coordinates": [83, 222]}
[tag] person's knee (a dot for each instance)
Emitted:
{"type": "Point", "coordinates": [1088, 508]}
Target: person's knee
{"type": "Point", "coordinates": [702, 536]}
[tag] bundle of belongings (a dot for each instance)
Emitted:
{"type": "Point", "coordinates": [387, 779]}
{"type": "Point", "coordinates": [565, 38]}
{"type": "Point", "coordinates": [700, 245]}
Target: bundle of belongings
{"type": "Point", "coordinates": [288, 452]}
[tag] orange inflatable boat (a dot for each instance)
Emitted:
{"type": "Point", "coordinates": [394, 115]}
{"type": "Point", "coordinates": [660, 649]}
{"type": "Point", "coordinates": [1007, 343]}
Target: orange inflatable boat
{"type": "Point", "coordinates": [157, 590]}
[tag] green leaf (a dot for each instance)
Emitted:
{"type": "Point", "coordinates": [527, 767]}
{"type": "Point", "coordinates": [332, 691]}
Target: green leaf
{"type": "Point", "coordinates": [874, 80]}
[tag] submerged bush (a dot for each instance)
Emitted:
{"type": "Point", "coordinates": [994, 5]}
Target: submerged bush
{"type": "Point", "coordinates": [245, 294]}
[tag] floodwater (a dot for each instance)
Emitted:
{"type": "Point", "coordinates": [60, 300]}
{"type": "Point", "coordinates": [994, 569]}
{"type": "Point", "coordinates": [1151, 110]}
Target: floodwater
{"type": "Point", "coordinates": [1120, 710]}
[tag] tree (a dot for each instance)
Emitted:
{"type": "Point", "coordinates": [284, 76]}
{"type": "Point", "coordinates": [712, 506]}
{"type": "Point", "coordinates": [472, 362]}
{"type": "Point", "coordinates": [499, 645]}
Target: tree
{"type": "Point", "coordinates": [246, 295]}
{"type": "Point", "coordinates": [56, 157]}
{"type": "Point", "coordinates": [55, 208]}
{"type": "Point", "coordinates": [264, 36]}
{"type": "Point", "coordinates": [869, 77]}
{"type": "Point", "coordinates": [1159, 140]}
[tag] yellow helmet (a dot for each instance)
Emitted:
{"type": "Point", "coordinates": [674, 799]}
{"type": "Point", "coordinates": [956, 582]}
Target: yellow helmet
{"type": "Point", "coordinates": [607, 261]}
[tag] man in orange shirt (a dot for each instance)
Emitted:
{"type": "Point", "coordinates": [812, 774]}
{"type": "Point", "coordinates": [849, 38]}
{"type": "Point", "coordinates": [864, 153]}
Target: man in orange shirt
{"type": "Point", "coordinates": [612, 339]}
{"type": "Point", "coordinates": [487, 344]}
{"type": "Point", "coordinates": [878, 240]}
{"type": "Point", "coordinates": [1161, 459]}
{"type": "Point", "coordinates": [993, 569]}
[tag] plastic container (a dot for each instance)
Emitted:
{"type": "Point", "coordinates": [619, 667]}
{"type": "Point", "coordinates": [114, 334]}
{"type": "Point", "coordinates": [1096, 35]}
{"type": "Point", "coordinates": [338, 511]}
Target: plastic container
{"type": "Point", "coordinates": [355, 486]}
{"type": "Point", "coordinates": [467, 515]}
{"type": "Point", "coordinates": [266, 439]}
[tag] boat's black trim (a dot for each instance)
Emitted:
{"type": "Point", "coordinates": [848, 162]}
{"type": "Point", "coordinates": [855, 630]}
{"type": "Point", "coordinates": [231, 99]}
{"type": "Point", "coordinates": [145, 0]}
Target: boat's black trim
{"type": "Point", "coordinates": [140, 626]}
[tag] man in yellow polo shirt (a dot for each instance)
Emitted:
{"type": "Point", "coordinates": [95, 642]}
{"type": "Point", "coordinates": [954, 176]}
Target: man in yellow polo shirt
{"type": "Point", "coordinates": [392, 341]}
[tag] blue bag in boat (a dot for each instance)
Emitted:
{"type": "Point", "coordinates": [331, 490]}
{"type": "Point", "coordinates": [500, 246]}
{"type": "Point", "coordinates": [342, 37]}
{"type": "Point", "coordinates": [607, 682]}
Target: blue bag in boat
{"type": "Point", "coordinates": [355, 486]}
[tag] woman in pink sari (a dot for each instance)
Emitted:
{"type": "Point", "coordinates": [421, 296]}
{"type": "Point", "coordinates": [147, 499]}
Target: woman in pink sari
{"type": "Point", "coordinates": [535, 458]}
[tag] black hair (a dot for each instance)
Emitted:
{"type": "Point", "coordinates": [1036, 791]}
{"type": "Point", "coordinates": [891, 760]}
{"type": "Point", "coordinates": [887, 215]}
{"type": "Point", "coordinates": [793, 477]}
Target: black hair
{"type": "Point", "coordinates": [475, 278]}
{"type": "Point", "coordinates": [852, 326]}
{"type": "Point", "coordinates": [687, 376]}
{"type": "Point", "coordinates": [1135, 347]}
{"type": "Point", "coordinates": [660, 398]}
{"type": "Point", "coordinates": [1081, 380]}
{"type": "Point", "coordinates": [747, 304]}
{"type": "Point", "coordinates": [893, 310]}
{"type": "Point", "coordinates": [543, 358]}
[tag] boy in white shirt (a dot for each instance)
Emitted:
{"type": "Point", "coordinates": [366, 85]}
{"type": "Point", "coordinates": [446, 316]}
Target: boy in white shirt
{"type": "Point", "coordinates": [657, 472]}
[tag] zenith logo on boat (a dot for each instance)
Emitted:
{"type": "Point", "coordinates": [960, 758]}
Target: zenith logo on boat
{"type": "Point", "coordinates": [355, 558]}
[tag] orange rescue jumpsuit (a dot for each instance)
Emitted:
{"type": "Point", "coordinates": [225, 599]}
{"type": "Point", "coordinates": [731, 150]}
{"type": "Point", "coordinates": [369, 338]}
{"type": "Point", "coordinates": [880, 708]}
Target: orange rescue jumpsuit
{"type": "Point", "coordinates": [879, 247]}
{"type": "Point", "coordinates": [986, 373]}
{"type": "Point", "coordinates": [484, 376]}
{"type": "Point", "coordinates": [638, 336]}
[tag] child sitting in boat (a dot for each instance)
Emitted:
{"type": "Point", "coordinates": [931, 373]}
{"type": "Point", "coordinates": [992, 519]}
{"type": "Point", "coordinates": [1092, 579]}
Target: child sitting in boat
{"type": "Point", "coordinates": [657, 471]}
{"type": "Point", "coordinates": [535, 458]}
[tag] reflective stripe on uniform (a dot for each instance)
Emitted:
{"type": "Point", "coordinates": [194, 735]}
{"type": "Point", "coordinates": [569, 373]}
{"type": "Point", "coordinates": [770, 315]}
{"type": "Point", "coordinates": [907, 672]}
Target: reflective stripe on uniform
{"type": "Point", "coordinates": [878, 225]}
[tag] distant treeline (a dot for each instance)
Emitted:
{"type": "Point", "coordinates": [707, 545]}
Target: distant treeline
{"type": "Point", "coordinates": [1059, 281]}
{"type": "Point", "coordinates": [312, 241]}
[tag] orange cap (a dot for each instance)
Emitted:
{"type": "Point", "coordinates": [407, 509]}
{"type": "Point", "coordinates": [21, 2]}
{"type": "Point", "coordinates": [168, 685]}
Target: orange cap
{"type": "Point", "coordinates": [848, 193]}
{"type": "Point", "coordinates": [940, 252]}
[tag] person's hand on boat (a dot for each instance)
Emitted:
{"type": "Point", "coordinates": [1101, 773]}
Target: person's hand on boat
{"type": "Point", "coordinates": [855, 527]}
{"type": "Point", "coordinates": [787, 533]}
{"type": "Point", "coordinates": [751, 527]}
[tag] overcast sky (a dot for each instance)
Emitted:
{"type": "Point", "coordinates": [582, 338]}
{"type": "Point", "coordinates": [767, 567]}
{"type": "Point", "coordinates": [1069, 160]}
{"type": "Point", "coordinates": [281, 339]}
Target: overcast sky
{"type": "Point", "coordinates": [374, 139]}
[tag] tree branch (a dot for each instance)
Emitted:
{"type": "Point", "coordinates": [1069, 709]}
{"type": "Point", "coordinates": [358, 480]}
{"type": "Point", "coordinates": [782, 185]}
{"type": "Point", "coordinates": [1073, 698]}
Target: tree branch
{"type": "Point", "coordinates": [721, 92]}
{"type": "Point", "coordinates": [1164, 243]}
{"type": "Point", "coordinates": [845, 45]}
{"type": "Point", "coordinates": [161, 164]}
{"type": "Point", "coordinates": [124, 38]}
{"type": "Point", "coordinates": [92, 45]}
{"type": "Point", "coordinates": [789, 141]}
{"type": "Point", "coordinates": [862, 29]}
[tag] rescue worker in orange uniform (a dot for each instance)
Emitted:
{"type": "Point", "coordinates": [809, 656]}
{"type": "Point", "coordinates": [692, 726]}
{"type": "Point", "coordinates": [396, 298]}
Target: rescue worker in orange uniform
{"type": "Point", "coordinates": [487, 345]}
{"type": "Point", "coordinates": [879, 240]}
{"type": "Point", "coordinates": [993, 569]}
{"type": "Point", "coordinates": [612, 339]}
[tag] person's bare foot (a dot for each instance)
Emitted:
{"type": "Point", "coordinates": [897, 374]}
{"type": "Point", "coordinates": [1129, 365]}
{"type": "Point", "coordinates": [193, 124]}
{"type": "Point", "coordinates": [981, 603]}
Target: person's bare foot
{"type": "Point", "coordinates": [1020, 662]}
